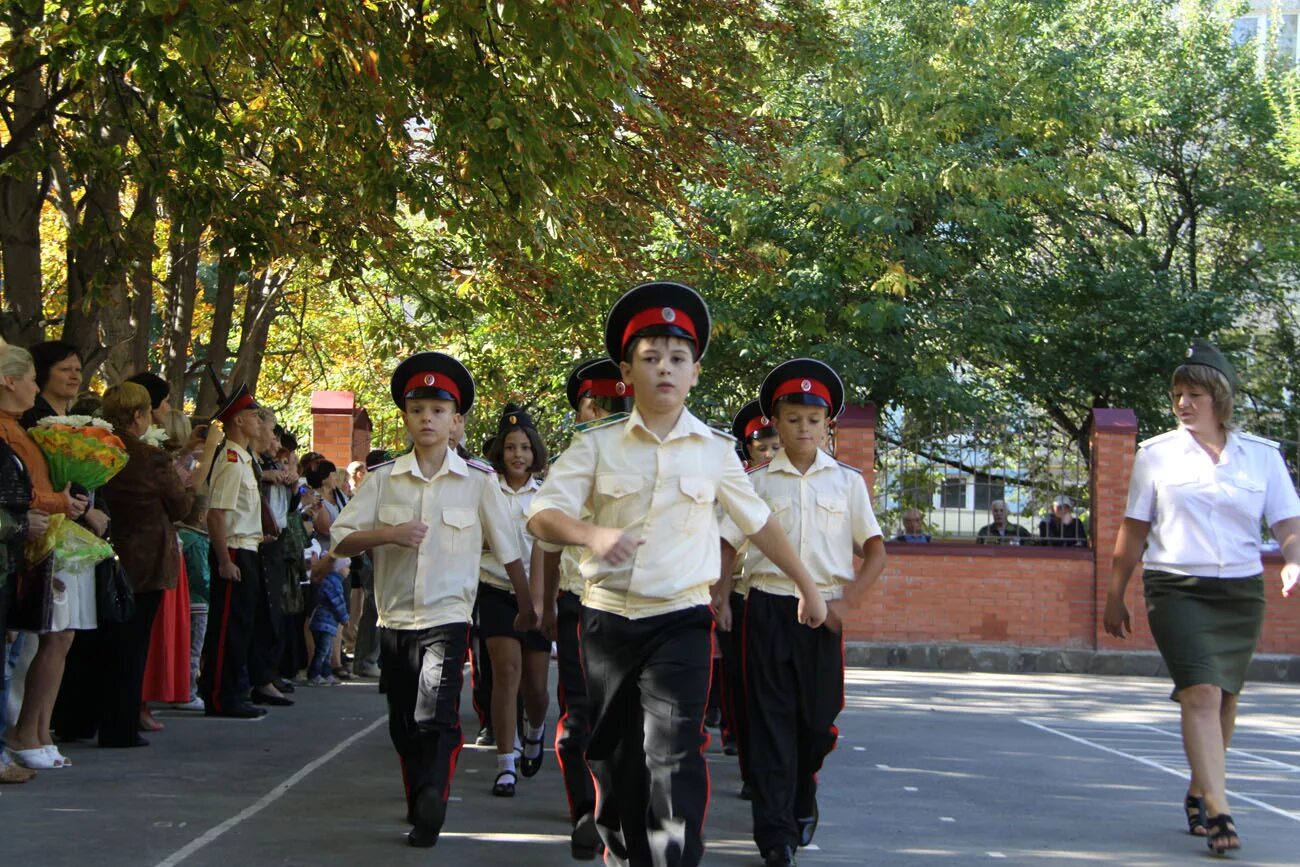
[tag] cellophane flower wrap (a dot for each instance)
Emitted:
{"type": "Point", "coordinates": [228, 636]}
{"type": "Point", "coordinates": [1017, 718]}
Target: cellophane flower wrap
{"type": "Point", "coordinates": [79, 449]}
{"type": "Point", "coordinates": [73, 546]}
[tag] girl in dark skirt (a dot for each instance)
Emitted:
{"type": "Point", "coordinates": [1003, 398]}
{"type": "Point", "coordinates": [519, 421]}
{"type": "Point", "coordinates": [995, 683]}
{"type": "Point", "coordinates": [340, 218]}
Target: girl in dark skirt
{"type": "Point", "coordinates": [1196, 499]}
{"type": "Point", "coordinates": [520, 661]}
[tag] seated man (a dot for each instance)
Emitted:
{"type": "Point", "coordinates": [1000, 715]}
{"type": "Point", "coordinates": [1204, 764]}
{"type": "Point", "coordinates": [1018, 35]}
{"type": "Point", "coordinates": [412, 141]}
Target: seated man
{"type": "Point", "coordinates": [913, 528]}
{"type": "Point", "coordinates": [1061, 529]}
{"type": "Point", "coordinates": [1002, 532]}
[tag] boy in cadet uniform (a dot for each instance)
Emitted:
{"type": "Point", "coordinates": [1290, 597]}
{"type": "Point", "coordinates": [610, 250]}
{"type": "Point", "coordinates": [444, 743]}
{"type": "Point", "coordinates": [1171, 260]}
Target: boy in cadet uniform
{"type": "Point", "coordinates": [234, 524]}
{"type": "Point", "coordinates": [757, 442]}
{"type": "Point", "coordinates": [424, 516]}
{"type": "Point", "coordinates": [599, 396]}
{"type": "Point", "coordinates": [650, 483]}
{"type": "Point", "coordinates": [794, 674]}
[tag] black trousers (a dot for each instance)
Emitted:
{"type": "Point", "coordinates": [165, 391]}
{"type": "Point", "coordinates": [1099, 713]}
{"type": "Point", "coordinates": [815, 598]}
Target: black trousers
{"type": "Point", "coordinates": [232, 610]}
{"type": "Point", "coordinates": [648, 681]}
{"type": "Point", "coordinates": [423, 676]}
{"type": "Point", "coordinates": [269, 627]}
{"type": "Point", "coordinates": [124, 652]}
{"type": "Point", "coordinates": [76, 709]}
{"type": "Point", "coordinates": [574, 728]}
{"type": "Point", "coordinates": [480, 672]}
{"type": "Point", "coordinates": [794, 681]}
{"type": "Point", "coordinates": [734, 710]}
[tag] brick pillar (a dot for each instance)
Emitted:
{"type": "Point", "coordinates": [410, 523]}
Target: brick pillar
{"type": "Point", "coordinates": [1114, 432]}
{"type": "Point", "coordinates": [855, 441]}
{"type": "Point", "coordinates": [332, 415]}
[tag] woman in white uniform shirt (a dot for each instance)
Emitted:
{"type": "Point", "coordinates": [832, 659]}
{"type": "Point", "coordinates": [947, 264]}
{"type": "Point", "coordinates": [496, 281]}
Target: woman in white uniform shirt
{"type": "Point", "coordinates": [1195, 503]}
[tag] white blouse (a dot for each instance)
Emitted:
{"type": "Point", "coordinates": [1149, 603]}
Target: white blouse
{"type": "Point", "coordinates": [1205, 517]}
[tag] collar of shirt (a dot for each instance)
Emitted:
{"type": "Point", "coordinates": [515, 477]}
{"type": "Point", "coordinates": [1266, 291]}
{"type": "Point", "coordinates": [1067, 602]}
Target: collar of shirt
{"type": "Point", "coordinates": [1231, 445]}
{"type": "Point", "coordinates": [781, 464]}
{"type": "Point", "coordinates": [451, 463]}
{"type": "Point", "coordinates": [687, 425]}
{"type": "Point", "coordinates": [532, 485]}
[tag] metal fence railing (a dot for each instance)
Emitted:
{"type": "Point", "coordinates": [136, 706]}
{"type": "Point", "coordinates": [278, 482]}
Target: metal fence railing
{"type": "Point", "coordinates": [953, 476]}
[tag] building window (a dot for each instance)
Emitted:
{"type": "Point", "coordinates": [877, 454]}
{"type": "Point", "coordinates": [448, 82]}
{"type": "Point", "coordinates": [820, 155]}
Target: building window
{"type": "Point", "coordinates": [953, 494]}
{"type": "Point", "coordinates": [1244, 30]}
{"type": "Point", "coordinates": [987, 490]}
{"type": "Point", "coordinates": [1286, 39]}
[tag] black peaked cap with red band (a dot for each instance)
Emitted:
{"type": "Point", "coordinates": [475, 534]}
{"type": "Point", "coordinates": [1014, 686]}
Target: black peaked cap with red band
{"type": "Point", "coordinates": [436, 376]}
{"type": "Point", "coordinates": [239, 400]}
{"type": "Point", "coordinates": [803, 380]}
{"type": "Point", "coordinates": [597, 378]}
{"type": "Point", "coordinates": [751, 424]}
{"type": "Point", "coordinates": [661, 309]}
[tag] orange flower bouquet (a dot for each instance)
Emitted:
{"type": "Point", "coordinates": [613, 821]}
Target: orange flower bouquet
{"type": "Point", "coordinates": [79, 449]}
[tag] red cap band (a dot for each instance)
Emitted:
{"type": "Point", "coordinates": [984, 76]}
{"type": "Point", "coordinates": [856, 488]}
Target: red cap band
{"type": "Point", "coordinates": [604, 388]}
{"type": "Point", "coordinates": [803, 386]}
{"type": "Point", "coordinates": [757, 424]}
{"type": "Point", "coordinates": [429, 379]}
{"type": "Point", "coordinates": [244, 402]}
{"type": "Point", "coordinates": [659, 316]}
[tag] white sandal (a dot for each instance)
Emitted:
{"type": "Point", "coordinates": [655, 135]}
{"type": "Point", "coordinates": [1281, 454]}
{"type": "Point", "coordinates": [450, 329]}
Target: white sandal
{"type": "Point", "coordinates": [58, 756]}
{"type": "Point", "coordinates": [36, 759]}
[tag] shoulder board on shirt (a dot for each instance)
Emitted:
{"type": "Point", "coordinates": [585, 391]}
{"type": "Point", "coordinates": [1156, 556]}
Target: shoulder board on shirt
{"type": "Point", "coordinates": [725, 434]}
{"type": "Point", "coordinates": [481, 466]}
{"type": "Point", "coordinates": [381, 466]}
{"type": "Point", "coordinates": [1254, 438]}
{"type": "Point", "coordinates": [757, 467]}
{"type": "Point", "coordinates": [600, 423]}
{"type": "Point", "coordinates": [849, 467]}
{"type": "Point", "coordinates": [232, 456]}
{"type": "Point", "coordinates": [1158, 438]}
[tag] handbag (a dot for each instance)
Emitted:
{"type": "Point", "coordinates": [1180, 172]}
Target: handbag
{"type": "Point", "coordinates": [114, 598]}
{"type": "Point", "coordinates": [33, 603]}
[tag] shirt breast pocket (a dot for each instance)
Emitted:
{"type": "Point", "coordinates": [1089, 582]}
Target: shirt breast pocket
{"type": "Point", "coordinates": [458, 529]}
{"type": "Point", "coordinates": [616, 497]}
{"type": "Point", "coordinates": [391, 516]}
{"type": "Point", "coordinates": [699, 493]}
{"type": "Point", "coordinates": [831, 513]}
{"type": "Point", "coordinates": [783, 510]}
{"type": "Point", "coordinates": [1247, 495]}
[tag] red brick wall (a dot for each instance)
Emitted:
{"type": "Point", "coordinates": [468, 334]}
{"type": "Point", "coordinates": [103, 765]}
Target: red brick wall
{"type": "Point", "coordinates": [1044, 598]}
{"type": "Point", "coordinates": [332, 414]}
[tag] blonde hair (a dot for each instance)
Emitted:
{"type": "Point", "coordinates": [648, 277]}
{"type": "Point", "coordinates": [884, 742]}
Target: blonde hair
{"type": "Point", "coordinates": [14, 360]}
{"type": "Point", "coordinates": [122, 403]}
{"type": "Point", "coordinates": [1209, 380]}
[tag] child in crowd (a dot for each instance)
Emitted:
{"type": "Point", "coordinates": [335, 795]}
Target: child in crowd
{"type": "Point", "coordinates": [331, 611]}
{"type": "Point", "coordinates": [794, 671]}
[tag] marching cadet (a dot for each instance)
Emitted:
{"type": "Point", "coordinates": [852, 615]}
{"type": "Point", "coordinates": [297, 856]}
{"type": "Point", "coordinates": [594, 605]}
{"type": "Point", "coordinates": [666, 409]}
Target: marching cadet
{"type": "Point", "coordinates": [598, 395]}
{"type": "Point", "coordinates": [234, 526]}
{"type": "Point", "coordinates": [425, 515]}
{"type": "Point", "coordinates": [651, 482]}
{"type": "Point", "coordinates": [520, 660]}
{"type": "Point", "coordinates": [794, 672]}
{"type": "Point", "coordinates": [757, 442]}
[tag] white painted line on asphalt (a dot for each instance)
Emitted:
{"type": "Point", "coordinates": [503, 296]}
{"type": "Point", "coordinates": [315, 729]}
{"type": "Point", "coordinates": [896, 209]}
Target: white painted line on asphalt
{"type": "Point", "coordinates": [268, 799]}
{"type": "Point", "coordinates": [1238, 752]}
{"type": "Point", "coordinates": [910, 789]}
{"type": "Point", "coordinates": [996, 854]}
{"type": "Point", "coordinates": [947, 819]}
{"type": "Point", "coordinates": [1182, 775]}
{"type": "Point", "coordinates": [859, 749]}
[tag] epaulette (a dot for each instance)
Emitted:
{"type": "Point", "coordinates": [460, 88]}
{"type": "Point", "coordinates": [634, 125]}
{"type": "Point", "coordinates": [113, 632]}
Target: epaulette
{"type": "Point", "coordinates": [1255, 438]}
{"type": "Point", "coordinates": [849, 467]}
{"type": "Point", "coordinates": [600, 423]}
{"type": "Point", "coordinates": [725, 434]}
{"type": "Point", "coordinates": [381, 466]}
{"type": "Point", "coordinates": [757, 467]}
{"type": "Point", "coordinates": [481, 466]}
{"type": "Point", "coordinates": [1158, 438]}
{"type": "Point", "coordinates": [232, 456]}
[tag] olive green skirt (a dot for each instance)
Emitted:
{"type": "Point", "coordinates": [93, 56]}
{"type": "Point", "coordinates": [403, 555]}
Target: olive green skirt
{"type": "Point", "coordinates": [1206, 628]}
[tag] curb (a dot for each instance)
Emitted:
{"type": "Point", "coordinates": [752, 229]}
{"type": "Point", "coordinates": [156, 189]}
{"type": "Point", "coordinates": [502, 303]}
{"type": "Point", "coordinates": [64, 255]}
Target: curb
{"type": "Point", "coordinates": [1033, 660]}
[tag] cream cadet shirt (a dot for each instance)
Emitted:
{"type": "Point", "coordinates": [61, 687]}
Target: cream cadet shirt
{"type": "Point", "coordinates": [662, 491]}
{"type": "Point", "coordinates": [824, 513]}
{"type": "Point", "coordinates": [490, 570]}
{"type": "Point", "coordinates": [233, 488]}
{"type": "Point", "coordinates": [435, 584]}
{"type": "Point", "coordinates": [1205, 517]}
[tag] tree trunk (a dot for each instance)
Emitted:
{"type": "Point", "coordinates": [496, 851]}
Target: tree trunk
{"type": "Point", "coordinates": [182, 292]}
{"type": "Point", "coordinates": [259, 312]}
{"type": "Point", "coordinates": [22, 190]}
{"type": "Point", "coordinates": [126, 317]}
{"type": "Point", "coordinates": [219, 342]}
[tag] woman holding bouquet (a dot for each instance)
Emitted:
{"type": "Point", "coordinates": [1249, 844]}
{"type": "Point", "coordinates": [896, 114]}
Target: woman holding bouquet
{"type": "Point", "coordinates": [150, 497]}
{"type": "Point", "coordinates": [30, 742]}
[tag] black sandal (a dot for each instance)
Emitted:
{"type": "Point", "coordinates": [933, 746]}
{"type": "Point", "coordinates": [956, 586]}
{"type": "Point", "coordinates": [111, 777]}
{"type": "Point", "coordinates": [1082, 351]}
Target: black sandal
{"type": "Point", "coordinates": [1221, 829]}
{"type": "Point", "coordinates": [504, 790]}
{"type": "Point", "coordinates": [1195, 808]}
{"type": "Point", "coordinates": [529, 767]}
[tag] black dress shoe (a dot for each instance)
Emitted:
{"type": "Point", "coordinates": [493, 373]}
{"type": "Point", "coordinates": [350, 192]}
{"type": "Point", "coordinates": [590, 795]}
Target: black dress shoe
{"type": "Point", "coordinates": [429, 812]}
{"type": "Point", "coordinates": [485, 738]}
{"type": "Point", "coordinates": [585, 843]}
{"type": "Point", "coordinates": [239, 711]}
{"type": "Point", "coordinates": [285, 686]}
{"type": "Point", "coordinates": [712, 718]}
{"type": "Point", "coordinates": [779, 856]}
{"type": "Point", "coordinates": [259, 697]}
